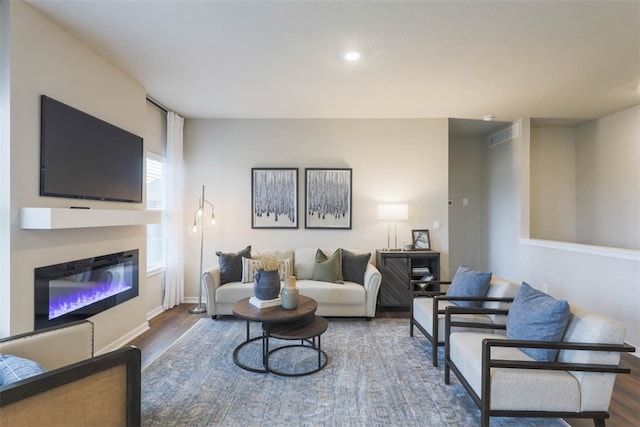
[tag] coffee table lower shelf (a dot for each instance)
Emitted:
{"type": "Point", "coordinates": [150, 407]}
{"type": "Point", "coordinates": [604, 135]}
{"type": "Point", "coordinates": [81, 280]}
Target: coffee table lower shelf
{"type": "Point", "coordinates": [306, 332]}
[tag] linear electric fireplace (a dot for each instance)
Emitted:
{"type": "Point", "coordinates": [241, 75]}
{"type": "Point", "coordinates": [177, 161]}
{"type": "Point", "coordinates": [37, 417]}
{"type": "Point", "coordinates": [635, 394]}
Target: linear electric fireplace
{"type": "Point", "coordinates": [79, 289]}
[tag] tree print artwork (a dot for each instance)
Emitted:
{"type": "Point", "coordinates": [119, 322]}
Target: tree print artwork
{"type": "Point", "coordinates": [274, 194]}
{"type": "Point", "coordinates": [328, 198]}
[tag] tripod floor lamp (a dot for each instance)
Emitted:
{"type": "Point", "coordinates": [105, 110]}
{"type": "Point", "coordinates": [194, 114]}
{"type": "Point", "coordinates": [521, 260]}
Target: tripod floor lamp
{"type": "Point", "coordinates": [198, 226]}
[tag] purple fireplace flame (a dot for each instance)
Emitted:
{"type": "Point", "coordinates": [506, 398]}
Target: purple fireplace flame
{"type": "Point", "coordinates": [72, 299]}
{"type": "Point", "coordinates": [79, 289]}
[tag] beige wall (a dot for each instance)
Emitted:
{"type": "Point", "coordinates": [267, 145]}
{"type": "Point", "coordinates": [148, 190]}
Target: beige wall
{"type": "Point", "coordinates": [604, 281]}
{"type": "Point", "coordinates": [585, 181]}
{"type": "Point", "coordinates": [467, 180]}
{"type": "Point", "coordinates": [5, 170]}
{"type": "Point", "coordinates": [553, 183]}
{"type": "Point", "coordinates": [608, 180]}
{"type": "Point", "coordinates": [46, 60]}
{"type": "Point", "coordinates": [403, 161]}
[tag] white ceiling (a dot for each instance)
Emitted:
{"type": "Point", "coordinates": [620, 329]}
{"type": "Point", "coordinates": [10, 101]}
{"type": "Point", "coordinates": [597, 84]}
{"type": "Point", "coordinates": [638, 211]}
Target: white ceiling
{"type": "Point", "coordinates": [277, 59]}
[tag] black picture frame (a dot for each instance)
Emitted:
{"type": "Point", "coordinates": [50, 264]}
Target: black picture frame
{"type": "Point", "coordinates": [421, 240]}
{"type": "Point", "coordinates": [274, 197]}
{"type": "Point", "coordinates": [328, 198]}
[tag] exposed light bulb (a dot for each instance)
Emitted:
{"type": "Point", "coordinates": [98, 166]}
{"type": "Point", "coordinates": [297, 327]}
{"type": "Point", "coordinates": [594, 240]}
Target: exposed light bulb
{"type": "Point", "coordinates": [212, 220]}
{"type": "Point", "coordinates": [199, 212]}
{"type": "Point", "coordinates": [488, 118]}
{"type": "Point", "coordinates": [352, 56]}
{"type": "Point", "coordinates": [192, 230]}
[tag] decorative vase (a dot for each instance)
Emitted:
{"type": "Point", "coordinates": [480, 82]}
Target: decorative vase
{"type": "Point", "coordinates": [266, 284]}
{"type": "Point", "coordinates": [290, 293]}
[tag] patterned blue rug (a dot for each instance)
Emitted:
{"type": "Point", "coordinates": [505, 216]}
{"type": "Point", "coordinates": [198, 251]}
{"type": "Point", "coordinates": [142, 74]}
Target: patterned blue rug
{"type": "Point", "coordinates": [376, 376]}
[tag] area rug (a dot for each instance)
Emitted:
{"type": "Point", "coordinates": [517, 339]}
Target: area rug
{"type": "Point", "coordinates": [376, 375]}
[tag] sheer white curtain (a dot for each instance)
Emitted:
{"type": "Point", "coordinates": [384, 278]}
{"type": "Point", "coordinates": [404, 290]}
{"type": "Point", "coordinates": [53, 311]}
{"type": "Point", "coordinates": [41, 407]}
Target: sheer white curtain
{"type": "Point", "coordinates": [174, 270]}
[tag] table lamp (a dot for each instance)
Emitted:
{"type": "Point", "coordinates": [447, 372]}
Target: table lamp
{"type": "Point", "coordinates": [393, 212]}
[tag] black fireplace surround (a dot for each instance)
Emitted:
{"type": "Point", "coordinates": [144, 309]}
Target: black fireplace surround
{"type": "Point", "coordinates": [79, 289]}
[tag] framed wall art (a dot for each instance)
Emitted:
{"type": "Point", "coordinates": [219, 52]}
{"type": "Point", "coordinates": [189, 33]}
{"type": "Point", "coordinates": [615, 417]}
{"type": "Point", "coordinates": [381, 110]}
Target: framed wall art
{"type": "Point", "coordinates": [274, 198]}
{"type": "Point", "coordinates": [421, 241]}
{"type": "Point", "coordinates": [327, 200]}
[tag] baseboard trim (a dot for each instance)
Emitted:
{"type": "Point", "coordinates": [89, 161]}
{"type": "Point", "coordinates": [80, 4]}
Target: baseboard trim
{"type": "Point", "coordinates": [122, 341]}
{"type": "Point", "coordinates": [153, 313]}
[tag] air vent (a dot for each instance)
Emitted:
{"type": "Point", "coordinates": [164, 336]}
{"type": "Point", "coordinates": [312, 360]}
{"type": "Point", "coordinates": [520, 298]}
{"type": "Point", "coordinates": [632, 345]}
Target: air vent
{"type": "Point", "coordinates": [504, 135]}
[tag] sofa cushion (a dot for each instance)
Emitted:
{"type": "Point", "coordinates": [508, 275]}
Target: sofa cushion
{"type": "Point", "coordinates": [231, 265]}
{"type": "Point", "coordinates": [537, 316]}
{"type": "Point", "coordinates": [468, 283]}
{"type": "Point", "coordinates": [14, 368]}
{"type": "Point", "coordinates": [585, 326]}
{"type": "Point", "coordinates": [325, 293]}
{"type": "Point", "coordinates": [328, 269]}
{"type": "Point", "coordinates": [354, 266]}
{"type": "Point", "coordinates": [304, 260]}
{"type": "Point", "coordinates": [513, 389]}
{"type": "Point", "coordinates": [500, 288]}
{"type": "Point", "coordinates": [423, 314]}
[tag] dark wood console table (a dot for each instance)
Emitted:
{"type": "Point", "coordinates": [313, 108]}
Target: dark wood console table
{"type": "Point", "coordinates": [398, 268]}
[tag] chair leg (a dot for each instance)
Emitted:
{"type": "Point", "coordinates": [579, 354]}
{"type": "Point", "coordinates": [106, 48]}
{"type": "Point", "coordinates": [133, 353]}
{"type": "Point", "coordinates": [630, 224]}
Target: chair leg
{"type": "Point", "coordinates": [599, 422]}
{"type": "Point", "coordinates": [484, 419]}
{"type": "Point", "coordinates": [411, 327]}
{"type": "Point", "coordinates": [434, 346]}
{"type": "Point", "coordinates": [447, 373]}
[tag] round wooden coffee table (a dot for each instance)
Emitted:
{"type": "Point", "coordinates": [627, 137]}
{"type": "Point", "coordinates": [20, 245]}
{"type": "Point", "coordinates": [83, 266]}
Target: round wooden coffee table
{"type": "Point", "coordinates": [301, 321]}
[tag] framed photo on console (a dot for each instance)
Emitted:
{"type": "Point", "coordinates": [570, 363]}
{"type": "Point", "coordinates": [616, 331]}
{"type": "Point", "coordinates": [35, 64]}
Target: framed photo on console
{"type": "Point", "coordinates": [274, 198]}
{"type": "Point", "coordinates": [421, 241]}
{"type": "Point", "coordinates": [327, 200]}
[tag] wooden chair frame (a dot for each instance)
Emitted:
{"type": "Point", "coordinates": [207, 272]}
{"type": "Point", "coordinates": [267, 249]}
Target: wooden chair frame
{"type": "Point", "coordinates": [484, 402]}
{"type": "Point", "coordinates": [437, 296]}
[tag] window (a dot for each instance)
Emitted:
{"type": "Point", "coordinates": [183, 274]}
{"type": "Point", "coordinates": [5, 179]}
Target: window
{"type": "Point", "coordinates": [155, 167]}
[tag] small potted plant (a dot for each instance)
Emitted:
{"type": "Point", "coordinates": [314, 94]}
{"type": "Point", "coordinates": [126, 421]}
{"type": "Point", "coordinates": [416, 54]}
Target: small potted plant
{"type": "Point", "coordinates": [266, 280]}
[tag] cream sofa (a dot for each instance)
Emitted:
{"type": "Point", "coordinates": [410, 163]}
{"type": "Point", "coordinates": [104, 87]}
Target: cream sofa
{"type": "Point", "coordinates": [348, 299]}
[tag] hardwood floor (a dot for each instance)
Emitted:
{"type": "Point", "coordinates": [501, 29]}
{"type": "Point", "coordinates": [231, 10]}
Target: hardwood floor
{"type": "Point", "coordinates": [167, 327]}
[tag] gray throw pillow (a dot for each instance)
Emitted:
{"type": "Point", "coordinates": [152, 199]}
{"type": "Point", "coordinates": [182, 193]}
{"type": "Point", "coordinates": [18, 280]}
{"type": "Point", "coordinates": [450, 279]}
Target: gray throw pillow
{"type": "Point", "coordinates": [354, 266]}
{"type": "Point", "coordinates": [537, 316]}
{"type": "Point", "coordinates": [14, 368]}
{"type": "Point", "coordinates": [328, 269]}
{"type": "Point", "coordinates": [231, 265]}
{"type": "Point", "coordinates": [468, 283]}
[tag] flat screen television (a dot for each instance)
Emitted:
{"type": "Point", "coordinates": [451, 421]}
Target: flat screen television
{"type": "Point", "coordinates": [83, 157]}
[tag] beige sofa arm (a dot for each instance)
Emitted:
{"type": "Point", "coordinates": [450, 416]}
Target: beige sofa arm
{"type": "Point", "coordinates": [372, 279]}
{"type": "Point", "coordinates": [211, 279]}
{"type": "Point", "coordinates": [53, 347]}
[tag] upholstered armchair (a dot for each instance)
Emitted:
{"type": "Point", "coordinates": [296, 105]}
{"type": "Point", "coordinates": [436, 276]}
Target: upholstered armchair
{"type": "Point", "coordinates": [74, 388]}
{"type": "Point", "coordinates": [427, 309]}
{"type": "Point", "coordinates": [569, 377]}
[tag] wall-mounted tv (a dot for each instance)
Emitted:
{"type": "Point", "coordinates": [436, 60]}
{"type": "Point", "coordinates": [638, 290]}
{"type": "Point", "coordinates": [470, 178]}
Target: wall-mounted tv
{"type": "Point", "coordinates": [83, 157]}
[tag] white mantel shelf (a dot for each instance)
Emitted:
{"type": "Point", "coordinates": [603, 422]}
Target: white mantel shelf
{"type": "Point", "coordinates": [60, 218]}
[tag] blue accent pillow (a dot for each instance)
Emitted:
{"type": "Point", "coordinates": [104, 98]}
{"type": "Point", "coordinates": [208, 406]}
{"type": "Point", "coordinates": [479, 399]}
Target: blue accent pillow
{"type": "Point", "coordinates": [14, 368]}
{"type": "Point", "coordinates": [231, 265]}
{"type": "Point", "coordinates": [354, 266]}
{"type": "Point", "coordinates": [468, 283]}
{"type": "Point", "coordinates": [537, 316]}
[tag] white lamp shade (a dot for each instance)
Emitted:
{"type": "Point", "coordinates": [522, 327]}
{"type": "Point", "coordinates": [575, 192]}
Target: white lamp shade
{"type": "Point", "coordinates": [393, 212]}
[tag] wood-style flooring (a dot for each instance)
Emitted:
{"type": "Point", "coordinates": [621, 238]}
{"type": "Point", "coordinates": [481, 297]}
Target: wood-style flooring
{"type": "Point", "coordinates": [167, 327]}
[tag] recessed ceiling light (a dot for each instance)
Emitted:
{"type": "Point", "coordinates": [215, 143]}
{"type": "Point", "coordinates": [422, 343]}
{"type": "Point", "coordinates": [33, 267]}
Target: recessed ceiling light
{"type": "Point", "coordinates": [352, 56]}
{"type": "Point", "coordinates": [488, 118]}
